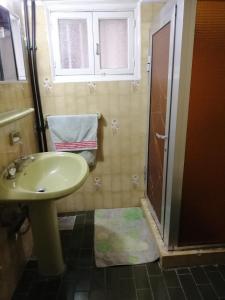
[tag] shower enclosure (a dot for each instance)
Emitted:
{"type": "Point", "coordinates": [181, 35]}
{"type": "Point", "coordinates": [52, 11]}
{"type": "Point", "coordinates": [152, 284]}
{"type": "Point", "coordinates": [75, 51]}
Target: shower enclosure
{"type": "Point", "coordinates": [185, 164]}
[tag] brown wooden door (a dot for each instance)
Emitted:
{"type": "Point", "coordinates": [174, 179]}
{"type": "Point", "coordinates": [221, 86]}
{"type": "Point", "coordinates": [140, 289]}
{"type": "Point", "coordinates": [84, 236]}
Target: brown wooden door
{"type": "Point", "coordinates": [202, 218]}
{"type": "Point", "coordinates": [160, 89]}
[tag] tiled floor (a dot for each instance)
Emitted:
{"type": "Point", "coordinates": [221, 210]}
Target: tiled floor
{"type": "Point", "coordinates": [83, 280]}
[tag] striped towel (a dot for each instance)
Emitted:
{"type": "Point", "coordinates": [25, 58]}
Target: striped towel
{"type": "Point", "coordinates": [73, 132]}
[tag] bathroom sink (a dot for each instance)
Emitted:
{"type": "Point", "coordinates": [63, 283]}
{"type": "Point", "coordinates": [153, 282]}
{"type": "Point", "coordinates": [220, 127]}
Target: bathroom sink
{"type": "Point", "coordinates": [44, 176]}
{"type": "Point", "coordinates": [39, 179]}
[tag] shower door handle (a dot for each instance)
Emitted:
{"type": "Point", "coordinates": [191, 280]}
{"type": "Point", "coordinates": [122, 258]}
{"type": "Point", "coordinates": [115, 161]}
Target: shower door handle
{"type": "Point", "coordinates": [161, 136]}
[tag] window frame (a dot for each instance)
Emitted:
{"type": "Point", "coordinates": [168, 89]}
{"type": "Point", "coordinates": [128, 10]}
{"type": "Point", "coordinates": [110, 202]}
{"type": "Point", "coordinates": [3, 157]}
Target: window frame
{"type": "Point", "coordinates": [58, 70]}
{"type": "Point", "coordinates": [129, 16]}
{"type": "Point", "coordinates": [116, 6]}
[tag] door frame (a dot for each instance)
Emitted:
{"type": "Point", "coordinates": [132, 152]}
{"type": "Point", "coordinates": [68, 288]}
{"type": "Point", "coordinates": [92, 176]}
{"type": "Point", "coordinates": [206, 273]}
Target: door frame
{"type": "Point", "coordinates": [183, 52]}
{"type": "Point", "coordinates": [169, 16]}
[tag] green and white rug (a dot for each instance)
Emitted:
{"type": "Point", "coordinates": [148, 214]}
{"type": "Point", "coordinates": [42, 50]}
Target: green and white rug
{"type": "Point", "coordinates": [122, 237]}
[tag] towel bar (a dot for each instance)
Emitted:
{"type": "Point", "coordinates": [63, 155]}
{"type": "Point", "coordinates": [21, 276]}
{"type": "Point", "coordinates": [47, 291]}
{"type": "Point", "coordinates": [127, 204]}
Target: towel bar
{"type": "Point", "coordinates": [99, 115]}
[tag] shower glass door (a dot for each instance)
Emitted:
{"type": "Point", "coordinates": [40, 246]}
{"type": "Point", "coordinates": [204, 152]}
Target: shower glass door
{"type": "Point", "coordinates": [161, 48]}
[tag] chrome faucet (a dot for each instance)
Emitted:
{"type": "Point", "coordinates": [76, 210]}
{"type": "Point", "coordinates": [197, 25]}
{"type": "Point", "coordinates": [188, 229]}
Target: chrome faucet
{"type": "Point", "coordinates": [11, 171]}
{"type": "Point", "coordinates": [16, 166]}
{"type": "Point", "coordinates": [19, 161]}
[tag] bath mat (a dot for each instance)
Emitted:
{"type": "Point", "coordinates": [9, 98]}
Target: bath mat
{"type": "Point", "coordinates": [122, 237]}
{"type": "Point", "coordinates": [66, 222]}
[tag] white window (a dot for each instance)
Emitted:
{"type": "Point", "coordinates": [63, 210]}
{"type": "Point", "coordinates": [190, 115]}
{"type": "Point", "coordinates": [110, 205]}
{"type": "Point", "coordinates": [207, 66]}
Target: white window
{"type": "Point", "coordinates": [95, 45]}
{"type": "Point", "coordinates": [114, 41]}
{"type": "Point", "coordinates": [72, 43]}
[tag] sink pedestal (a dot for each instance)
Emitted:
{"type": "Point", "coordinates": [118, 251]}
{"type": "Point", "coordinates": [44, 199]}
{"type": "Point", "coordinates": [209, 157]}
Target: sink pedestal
{"type": "Point", "coordinates": [47, 244]}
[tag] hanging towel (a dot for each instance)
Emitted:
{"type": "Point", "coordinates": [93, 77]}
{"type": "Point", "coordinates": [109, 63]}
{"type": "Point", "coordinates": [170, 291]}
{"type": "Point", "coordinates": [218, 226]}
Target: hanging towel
{"type": "Point", "coordinates": [73, 132]}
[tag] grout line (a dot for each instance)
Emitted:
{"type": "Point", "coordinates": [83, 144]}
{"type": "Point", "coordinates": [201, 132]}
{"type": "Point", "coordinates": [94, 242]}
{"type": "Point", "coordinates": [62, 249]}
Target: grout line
{"type": "Point", "coordinates": [133, 278]}
{"type": "Point", "coordinates": [176, 277]}
{"type": "Point", "coordinates": [210, 283]}
{"type": "Point", "coordinates": [185, 296]}
{"type": "Point", "coordinates": [200, 284]}
{"type": "Point", "coordinates": [196, 285]}
{"type": "Point", "coordinates": [167, 288]}
{"type": "Point", "coordinates": [149, 281]}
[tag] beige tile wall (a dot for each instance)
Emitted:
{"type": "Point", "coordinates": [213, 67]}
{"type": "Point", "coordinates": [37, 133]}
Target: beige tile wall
{"type": "Point", "coordinates": [13, 253]}
{"type": "Point", "coordinates": [122, 153]}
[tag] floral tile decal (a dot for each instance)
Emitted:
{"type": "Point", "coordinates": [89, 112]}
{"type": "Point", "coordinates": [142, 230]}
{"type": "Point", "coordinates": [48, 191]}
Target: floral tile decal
{"type": "Point", "coordinates": [98, 183]}
{"type": "Point", "coordinates": [115, 126]}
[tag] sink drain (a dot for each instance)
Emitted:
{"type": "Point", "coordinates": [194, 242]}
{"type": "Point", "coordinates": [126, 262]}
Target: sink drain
{"type": "Point", "coordinates": [41, 190]}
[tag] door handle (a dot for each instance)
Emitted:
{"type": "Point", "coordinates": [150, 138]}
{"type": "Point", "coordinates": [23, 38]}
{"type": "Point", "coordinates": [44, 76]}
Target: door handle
{"type": "Point", "coordinates": [97, 49]}
{"type": "Point", "coordinates": [161, 136]}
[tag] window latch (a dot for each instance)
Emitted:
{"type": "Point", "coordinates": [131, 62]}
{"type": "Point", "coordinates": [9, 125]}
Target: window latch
{"type": "Point", "coordinates": [97, 49]}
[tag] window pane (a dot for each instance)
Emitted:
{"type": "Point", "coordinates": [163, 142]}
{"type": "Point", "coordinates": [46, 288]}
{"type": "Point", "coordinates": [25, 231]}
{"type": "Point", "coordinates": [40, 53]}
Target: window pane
{"type": "Point", "coordinates": [17, 41]}
{"type": "Point", "coordinates": [113, 43]}
{"type": "Point", "coordinates": [73, 40]}
{"type": "Point", "coordinates": [7, 60]}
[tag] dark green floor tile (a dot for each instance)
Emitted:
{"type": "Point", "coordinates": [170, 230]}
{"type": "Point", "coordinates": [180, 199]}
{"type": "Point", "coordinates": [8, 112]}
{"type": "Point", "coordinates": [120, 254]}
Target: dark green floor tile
{"type": "Point", "coordinates": [112, 279]}
{"type": "Point", "coordinates": [153, 268]}
{"type": "Point", "coordinates": [171, 278]}
{"type": "Point", "coordinates": [183, 271]}
{"type": "Point", "coordinates": [86, 258]}
{"type": "Point", "coordinates": [112, 295]}
{"type": "Point", "coordinates": [210, 268]}
{"type": "Point", "coordinates": [78, 272]}
{"type": "Point", "coordinates": [144, 294]}
{"type": "Point", "coordinates": [66, 238]}
{"type": "Point", "coordinates": [189, 287]}
{"type": "Point", "coordinates": [51, 296]}
{"type": "Point", "coordinates": [176, 294]}
{"type": "Point", "coordinates": [124, 271]}
{"type": "Point", "coordinates": [141, 277]}
{"type": "Point", "coordinates": [127, 289]}
{"type": "Point", "coordinates": [88, 240]}
{"type": "Point", "coordinates": [72, 259]}
{"type": "Point", "coordinates": [221, 269]}
{"type": "Point", "coordinates": [217, 282]}
{"type": "Point", "coordinates": [67, 291]}
{"type": "Point", "coordinates": [77, 239]}
{"type": "Point", "coordinates": [98, 281]}
{"type": "Point", "coordinates": [158, 288]}
{"type": "Point", "coordinates": [80, 220]}
{"type": "Point", "coordinates": [114, 274]}
{"type": "Point", "coordinates": [53, 284]}
{"type": "Point", "coordinates": [37, 290]}
{"type": "Point", "coordinates": [81, 296]}
{"type": "Point", "coordinates": [207, 292]}
{"type": "Point", "coordinates": [199, 275]}
{"type": "Point", "coordinates": [19, 296]}
{"type": "Point", "coordinates": [80, 278]}
{"type": "Point", "coordinates": [90, 218]}
{"type": "Point", "coordinates": [97, 295]}
{"type": "Point", "coordinates": [124, 290]}
{"type": "Point", "coordinates": [27, 279]}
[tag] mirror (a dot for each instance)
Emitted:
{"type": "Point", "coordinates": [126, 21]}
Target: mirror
{"type": "Point", "coordinates": [12, 66]}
